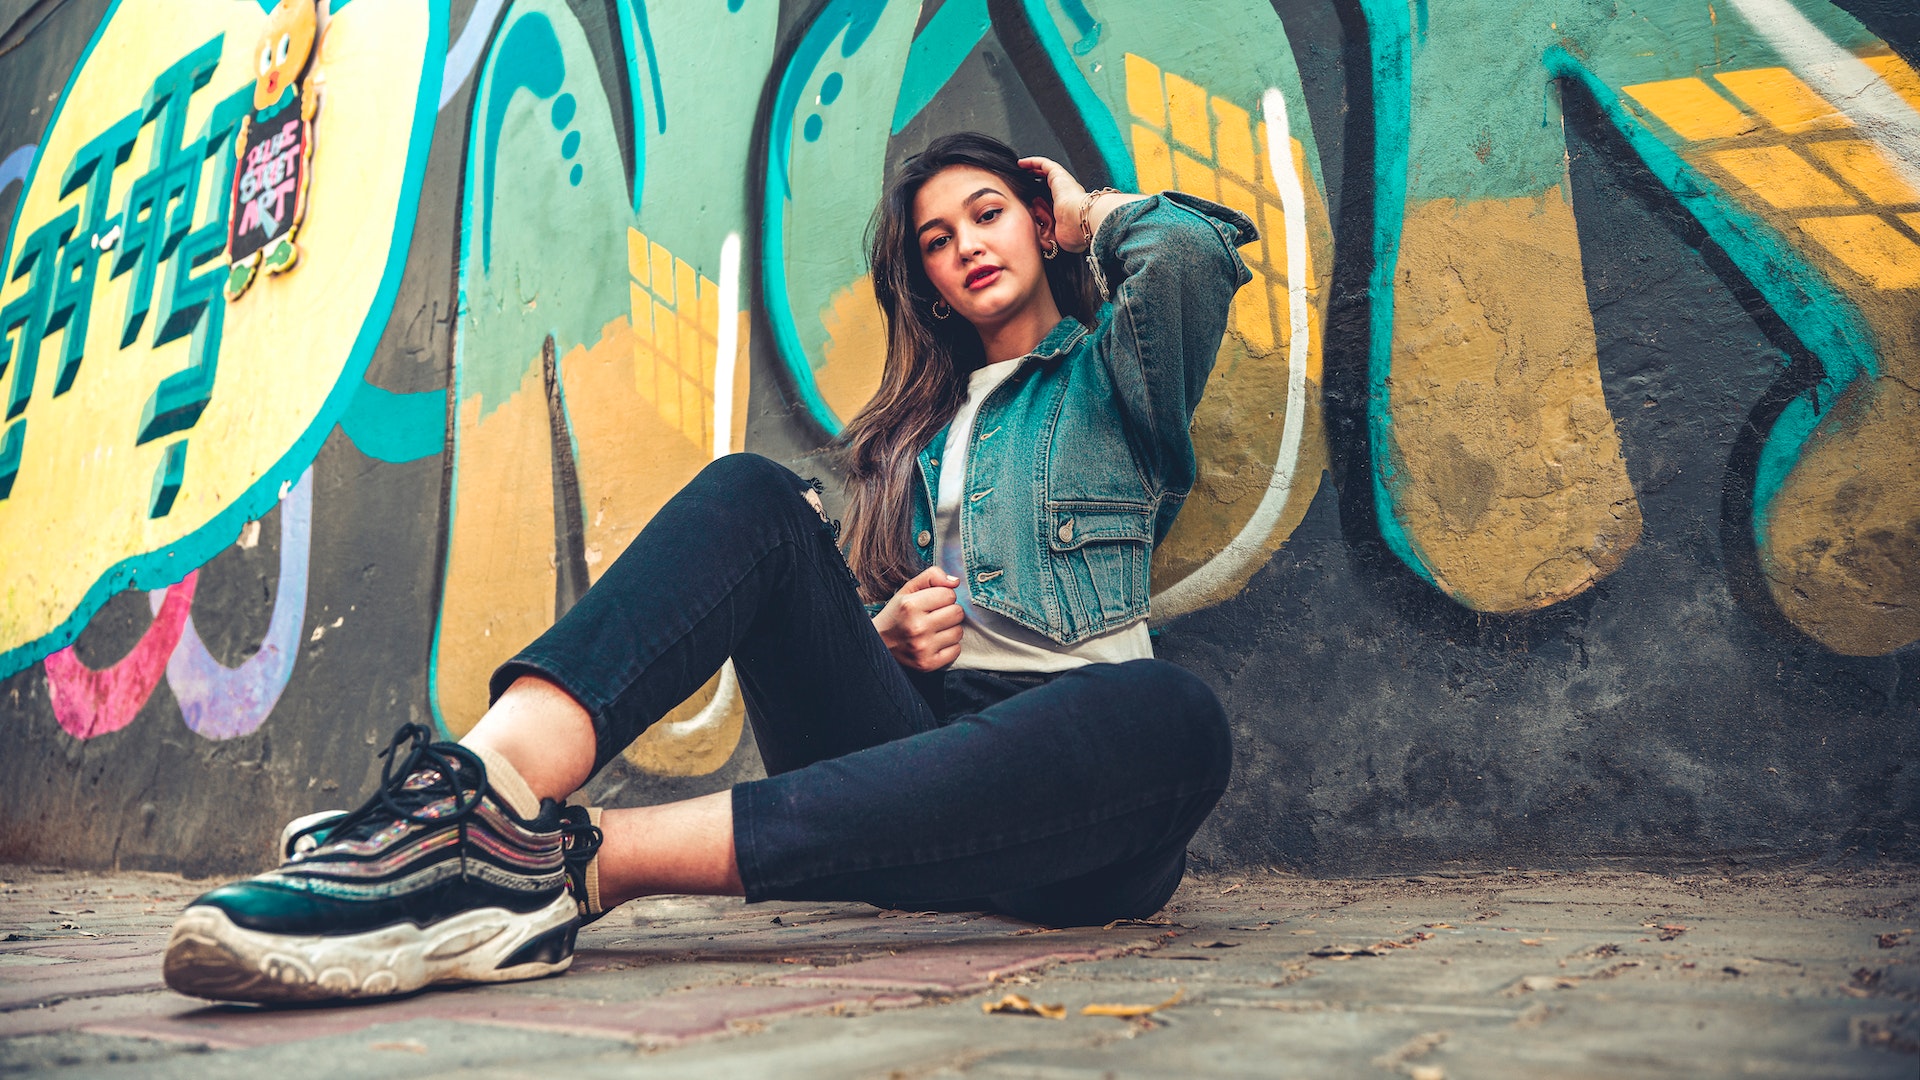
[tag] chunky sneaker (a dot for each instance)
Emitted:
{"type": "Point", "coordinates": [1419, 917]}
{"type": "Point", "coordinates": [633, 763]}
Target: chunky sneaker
{"type": "Point", "coordinates": [443, 876]}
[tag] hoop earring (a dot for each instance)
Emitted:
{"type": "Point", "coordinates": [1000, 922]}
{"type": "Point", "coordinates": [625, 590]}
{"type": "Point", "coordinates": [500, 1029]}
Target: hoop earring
{"type": "Point", "coordinates": [941, 310]}
{"type": "Point", "coordinates": [1052, 250]}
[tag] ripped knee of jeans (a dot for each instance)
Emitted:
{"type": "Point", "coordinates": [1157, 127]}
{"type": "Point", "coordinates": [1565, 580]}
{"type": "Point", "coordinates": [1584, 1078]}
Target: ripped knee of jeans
{"type": "Point", "coordinates": [811, 492]}
{"type": "Point", "coordinates": [812, 496]}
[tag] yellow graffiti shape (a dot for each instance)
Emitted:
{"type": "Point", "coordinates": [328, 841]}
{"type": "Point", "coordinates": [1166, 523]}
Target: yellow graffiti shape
{"type": "Point", "coordinates": [1509, 477]}
{"type": "Point", "coordinates": [638, 408]}
{"type": "Point", "coordinates": [676, 319]}
{"type": "Point", "coordinates": [90, 491]}
{"type": "Point", "coordinates": [1843, 531]}
{"type": "Point", "coordinates": [856, 348]}
{"type": "Point", "coordinates": [1188, 139]}
{"type": "Point", "coordinates": [498, 590]}
{"type": "Point", "coordinates": [1781, 177]}
{"type": "Point", "coordinates": [1691, 108]}
{"type": "Point", "coordinates": [1837, 541]}
{"type": "Point", "coordinates": [1783, 100]}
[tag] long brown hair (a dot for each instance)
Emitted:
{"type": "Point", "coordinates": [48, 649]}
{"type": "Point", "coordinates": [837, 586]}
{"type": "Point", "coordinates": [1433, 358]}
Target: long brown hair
{"type": "Point", "coordinates": [924, 379]}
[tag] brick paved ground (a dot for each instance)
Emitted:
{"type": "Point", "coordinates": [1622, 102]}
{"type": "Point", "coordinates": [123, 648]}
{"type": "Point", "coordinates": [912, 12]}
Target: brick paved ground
{"type": "Point", "coordinates": [1512, 974]}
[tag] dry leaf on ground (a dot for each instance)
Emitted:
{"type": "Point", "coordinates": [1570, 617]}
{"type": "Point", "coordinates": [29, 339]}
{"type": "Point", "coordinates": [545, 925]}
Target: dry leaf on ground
{"type": "Point", "coordinates": [1337, 951]}
{"type": "Point", "coordinates": [1128, 1012]}
{"type": "Point", "coordinates": [1017, 1005]}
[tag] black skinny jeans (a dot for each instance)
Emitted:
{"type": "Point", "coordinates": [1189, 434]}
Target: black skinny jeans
{"type": "Point", "coordinates": [1065, 800]}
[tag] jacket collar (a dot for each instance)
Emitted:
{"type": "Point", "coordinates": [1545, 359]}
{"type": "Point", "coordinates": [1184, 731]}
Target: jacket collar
{"type": "Point", "coordinates": [1065, 335]}
{"type": "Point", "coordinates": [1061, 339]}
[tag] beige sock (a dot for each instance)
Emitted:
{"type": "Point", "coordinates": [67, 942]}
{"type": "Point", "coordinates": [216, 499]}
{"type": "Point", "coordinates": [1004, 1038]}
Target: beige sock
{"type": "Point", "coordinates": [507, 785]}
{"type": "Point", "coordinates": [592, 875]}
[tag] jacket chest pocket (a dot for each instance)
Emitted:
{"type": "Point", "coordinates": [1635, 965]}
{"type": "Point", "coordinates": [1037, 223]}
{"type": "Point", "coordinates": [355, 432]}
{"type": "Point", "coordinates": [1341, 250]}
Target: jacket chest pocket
{"type": "Point", "coordinates": [1100, 554]}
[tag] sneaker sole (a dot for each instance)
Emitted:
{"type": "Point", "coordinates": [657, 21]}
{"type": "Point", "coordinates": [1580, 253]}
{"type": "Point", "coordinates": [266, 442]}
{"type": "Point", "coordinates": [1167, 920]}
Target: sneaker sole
{"type": "Point", "coordinates": [209, 956]}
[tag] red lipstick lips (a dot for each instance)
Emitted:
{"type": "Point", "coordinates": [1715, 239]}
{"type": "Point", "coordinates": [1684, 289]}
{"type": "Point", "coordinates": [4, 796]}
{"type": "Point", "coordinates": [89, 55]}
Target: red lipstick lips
{"type": "Point", "coordinates": [982, 276]}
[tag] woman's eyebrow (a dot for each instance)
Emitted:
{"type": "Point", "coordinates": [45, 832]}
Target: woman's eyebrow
{"type": "Point", "coordinates": [968, 201]}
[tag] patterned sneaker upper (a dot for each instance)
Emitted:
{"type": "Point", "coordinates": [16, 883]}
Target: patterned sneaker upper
{"type": "Point", "coordinates": [436, 839]}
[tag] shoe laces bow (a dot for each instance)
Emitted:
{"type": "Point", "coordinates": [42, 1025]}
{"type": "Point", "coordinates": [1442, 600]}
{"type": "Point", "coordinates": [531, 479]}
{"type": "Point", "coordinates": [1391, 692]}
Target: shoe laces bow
{"type": "Point", "coordinates": [415, 788]}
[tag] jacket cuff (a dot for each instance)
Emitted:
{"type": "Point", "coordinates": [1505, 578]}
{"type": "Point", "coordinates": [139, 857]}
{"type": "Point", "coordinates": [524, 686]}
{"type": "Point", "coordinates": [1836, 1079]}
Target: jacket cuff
{"type": "Point", "coordinates": [1233, 227]}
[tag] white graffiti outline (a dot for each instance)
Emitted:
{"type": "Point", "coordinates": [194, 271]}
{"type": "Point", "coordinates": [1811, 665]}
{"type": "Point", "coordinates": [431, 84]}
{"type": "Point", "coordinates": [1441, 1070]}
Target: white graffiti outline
{"type": "Point", "coordinates": [1244, 551]}
{"type": "Point", "coordinates": [726, 346]}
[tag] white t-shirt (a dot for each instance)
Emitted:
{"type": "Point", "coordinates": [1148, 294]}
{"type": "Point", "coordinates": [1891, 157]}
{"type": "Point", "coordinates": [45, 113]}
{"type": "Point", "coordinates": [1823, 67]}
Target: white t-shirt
{"type": "Point", "coordinates": [991, 641]}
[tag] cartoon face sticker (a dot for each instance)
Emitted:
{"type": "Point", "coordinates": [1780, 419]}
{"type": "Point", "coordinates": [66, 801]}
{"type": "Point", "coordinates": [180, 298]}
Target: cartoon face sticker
{"type": "Point", "coordinates": [286, 42]}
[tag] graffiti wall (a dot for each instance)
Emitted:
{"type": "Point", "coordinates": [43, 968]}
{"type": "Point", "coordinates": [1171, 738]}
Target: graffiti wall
{"type": "Point", "coordinates": [1560, 471]}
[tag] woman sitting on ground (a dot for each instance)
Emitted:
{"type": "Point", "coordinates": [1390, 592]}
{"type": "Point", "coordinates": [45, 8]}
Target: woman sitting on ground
{"type": "Point", "coordinates": [989, 731]}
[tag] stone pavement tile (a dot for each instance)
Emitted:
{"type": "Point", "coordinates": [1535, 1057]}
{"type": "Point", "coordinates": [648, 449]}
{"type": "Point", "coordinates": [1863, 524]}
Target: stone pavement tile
{"type": "Point", "coordinates": [77, 1012]}
{"type": "Point", "coordinates": [677, 1018]}
{"type": "Point", "coordinates": [771, 934]}
{"type": "Point", "coordinates": [403, 1051]}
{"type": "Point", "coordinates": [26, 959]}
{"type": "Point", "coordinates": [896, 1043]}
{"type": "Point", "coordinates": [1218, 1035]}
{"type": "Point", "coordinates": [604, 975]}
{"type": "Point", "coordinates": [101, 948]}
{"type": "Point", "coordinates": [667, 1018]}
{"type": "Point", "coordinates": [26, 985]}
{"type": "Point", "coordinates": [41, 1055]}
{"type": "Point", "coordinates": [1687, 1037]}
{"type": "Point", "coordinates": [193, 1022]}
{"type": "Point", "coordinates": [960, 969]}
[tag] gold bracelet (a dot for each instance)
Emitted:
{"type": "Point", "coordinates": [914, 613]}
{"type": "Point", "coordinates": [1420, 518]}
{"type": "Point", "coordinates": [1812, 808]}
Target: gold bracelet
{"type": "Point", "coordinates": [1086, 215]}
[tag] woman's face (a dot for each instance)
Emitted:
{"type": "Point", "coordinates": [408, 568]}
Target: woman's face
{"type": "Point", "coordinates": [980, 245]}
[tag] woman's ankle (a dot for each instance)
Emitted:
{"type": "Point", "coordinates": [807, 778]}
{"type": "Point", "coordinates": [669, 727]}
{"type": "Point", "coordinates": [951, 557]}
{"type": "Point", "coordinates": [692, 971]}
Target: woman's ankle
{"type": "Point", "coordinates": [680, 847]}
{"type": "Point", "coordinates": [543, 733]}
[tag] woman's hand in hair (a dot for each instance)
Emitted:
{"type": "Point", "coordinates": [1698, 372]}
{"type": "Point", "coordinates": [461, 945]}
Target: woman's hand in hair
{"type": "Point", "coordinates": [921, 624]}
{"type": "Point", "coordinates": [1075, 216]}
{"type": "Point", "coordinates": [1068, 199]}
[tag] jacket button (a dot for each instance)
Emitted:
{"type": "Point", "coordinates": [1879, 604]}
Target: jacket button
{"type": "Point", "coordinates": [924, 538]}
{"type": "Point", "coordinates": [1066, 531]}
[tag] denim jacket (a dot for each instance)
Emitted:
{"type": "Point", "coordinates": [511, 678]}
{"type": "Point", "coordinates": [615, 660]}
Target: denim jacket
{"type": "Point", "coordinates": [1080, 460]}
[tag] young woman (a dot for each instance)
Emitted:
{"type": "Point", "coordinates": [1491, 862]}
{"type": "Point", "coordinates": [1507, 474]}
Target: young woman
{"type": "Point", "coordinates": [989, 731]}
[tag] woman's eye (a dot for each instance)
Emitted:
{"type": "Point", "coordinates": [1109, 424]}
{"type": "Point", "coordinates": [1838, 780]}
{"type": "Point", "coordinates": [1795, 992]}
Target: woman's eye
{"type": "Point", "coordinates": [989, 215]}
{"type": "Point", "coordinates": [936, 243]}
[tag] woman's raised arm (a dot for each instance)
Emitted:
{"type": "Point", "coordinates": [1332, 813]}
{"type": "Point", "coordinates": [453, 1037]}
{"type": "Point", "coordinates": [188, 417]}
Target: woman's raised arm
{"type": "Point", "coordinates": [1171, 262]}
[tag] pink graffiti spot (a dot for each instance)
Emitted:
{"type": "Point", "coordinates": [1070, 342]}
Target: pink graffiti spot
{"type": "Point", "coordinates": [219, 702]}
{"type": "Point", "coordinates": [89, 703]}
